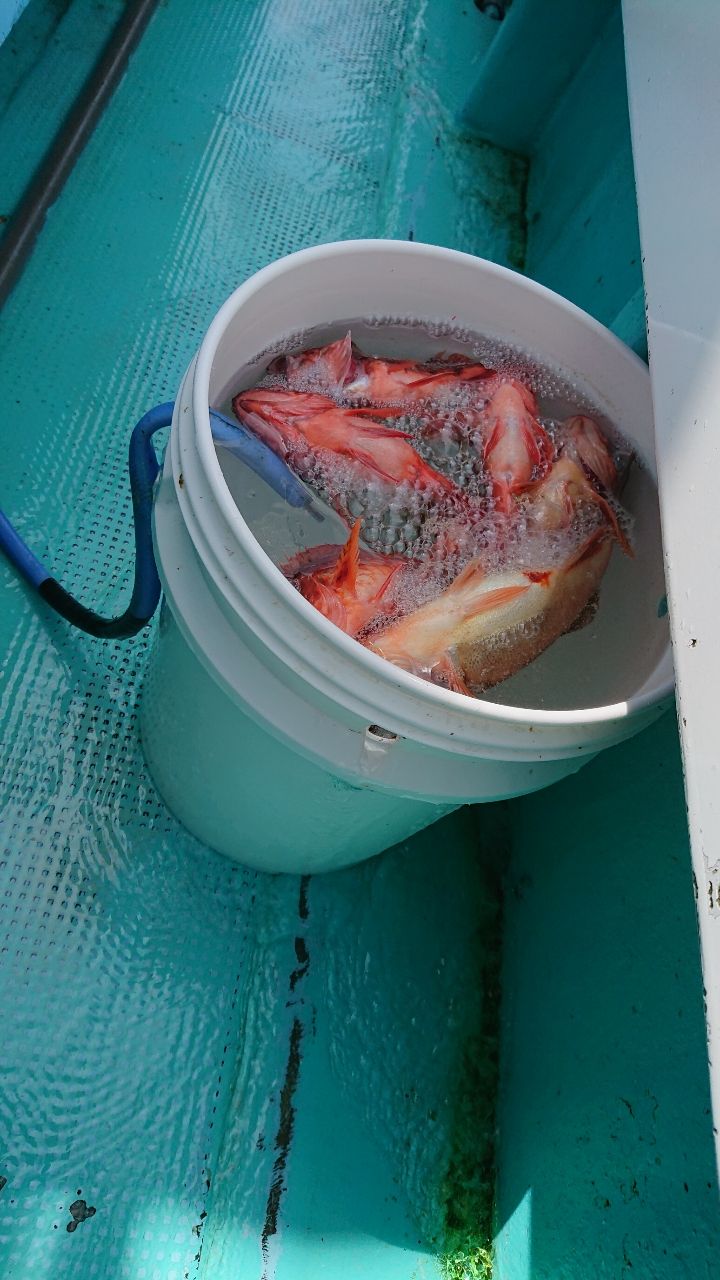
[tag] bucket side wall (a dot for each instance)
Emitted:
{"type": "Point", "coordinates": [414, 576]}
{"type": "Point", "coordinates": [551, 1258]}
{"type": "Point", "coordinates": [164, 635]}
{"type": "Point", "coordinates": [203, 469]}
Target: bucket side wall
{"type": "Point", "coordinates": [245, 793]}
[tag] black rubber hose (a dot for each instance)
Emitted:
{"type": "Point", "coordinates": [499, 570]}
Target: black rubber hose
{"type": "Point", "coordinates": [144, 469]}
{"type": "Point", "coordinates": [50, 176]}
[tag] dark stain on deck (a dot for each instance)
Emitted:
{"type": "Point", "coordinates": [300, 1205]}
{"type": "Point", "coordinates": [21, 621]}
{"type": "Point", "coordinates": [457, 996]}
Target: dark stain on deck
{"type": "Point", "coordinates": [283, 1140]}
{"type": "Point", "coordinates": [303, 960]}
{"type": "Point", "coordinates": [286, 1119]}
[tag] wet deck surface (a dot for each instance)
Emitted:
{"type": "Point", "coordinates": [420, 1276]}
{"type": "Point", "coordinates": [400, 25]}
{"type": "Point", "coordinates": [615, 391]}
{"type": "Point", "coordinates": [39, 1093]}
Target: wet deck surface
{"type": "Point", "coordinates": [260, 1078]}
{"type": "Point", "coordinates": [242, 1076]}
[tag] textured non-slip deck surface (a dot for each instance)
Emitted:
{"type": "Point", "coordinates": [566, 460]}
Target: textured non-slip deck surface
{"type": "Point", "coordinates": [252, 1078]}
{"type": "Point", "coordinates": [145, 980]}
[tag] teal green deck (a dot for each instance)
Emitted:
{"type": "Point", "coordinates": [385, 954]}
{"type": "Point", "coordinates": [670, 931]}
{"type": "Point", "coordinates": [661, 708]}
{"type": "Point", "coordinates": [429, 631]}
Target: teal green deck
{"type": "Point", "coordinates": [259, 1078]}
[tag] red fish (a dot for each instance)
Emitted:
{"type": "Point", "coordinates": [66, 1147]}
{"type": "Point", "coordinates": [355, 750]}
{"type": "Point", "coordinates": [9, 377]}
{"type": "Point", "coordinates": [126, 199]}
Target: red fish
{"type": "Point", "coordinates": [482, 628]}
{"type": "Point", "coordinates": [306, 429]}
{"type": "Point", "coordinates": [516, 448]}
{"type": "Point", "coordinates": [349, 585]}
{"type": "Point", "coordinates": [582, 440]}
{"type": "Point", "coordinates": [554, 502]}
{"type": "Point", "coordinates": [343, 371]}
{"type": "Point", "coordinates": [322, 368]}
{"type": "Point", "coordinates": [425, 641]}
{"type": "Point", "coordinates": [388, 382]}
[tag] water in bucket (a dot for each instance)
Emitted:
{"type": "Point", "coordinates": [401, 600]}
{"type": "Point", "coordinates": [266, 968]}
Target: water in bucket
{"type": "Point", "coordinates": [582, 667]}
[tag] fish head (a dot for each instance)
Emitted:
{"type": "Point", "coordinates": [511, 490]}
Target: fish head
{"type": "Point", "coordinates": [376, 451]}
{"type": "Point", "coordinates": [584, 442]}
{"type": "Point", "coordinates": [278, 417]}
{"type": "Point", "coordinates": [551, 504]}
{"type": "Point", "coordinates": [383, 381]}
{"type": "Point", "coordinates": [349, 584]}
{"type": "Point", "coordinates": [557, 499]}
{"type": "Point", "coordinates": [516, 447]}
{"type": "Point", "coordinates": [325, 599]}
{"type": "Point", "coordinates": [325, 368]}
{"type": "Point", "coordinates": [510, 394]}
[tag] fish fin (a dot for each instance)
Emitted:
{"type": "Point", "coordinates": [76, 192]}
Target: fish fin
{"type": "Point", "coordinates": [378, 429]}
{"type": "Point", "coordinates": [498, 597]}
{"type": "Point", "coordinates": [538, 444]}
{"type": "Point", "coordinates": [383, 590]}
{"type": "Point", "coordinates": [590, 445]}
{"type": "Point", "coordinates": [588, 549]}
{"type": "Point", "coordinates": [446, 672]}
{"type": "Point", "coordinates": [492, 439]}
{"type": "Point", "coordinates": [345, 574]}
{"type": "Point", "coordinates": [264, 429]}
{"type": "Point", "coordinates": [377, 411]}
{"type": "Point", "coordinates": [502, 494]}
{"type": "Point", "coordinates": [282, 403]}
{"type": "Point", "coordinates": [312, 560]}
{"type": "Point", "coordinates": [618, 531]}
{"type": "Point", "coordinates": [601, 467]}
{"type": "Point", "coordinates": [473, 572]}
{"type": "Point", "coordinates": [419, 474]}
{"type": "Point", "coordinates": [428, 379]}
{"type": "Point", "coordinates": [339, 357]}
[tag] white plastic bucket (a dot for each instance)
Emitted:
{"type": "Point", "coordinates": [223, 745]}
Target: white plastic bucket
{"type": "Point", "coordinates": [276, 738]}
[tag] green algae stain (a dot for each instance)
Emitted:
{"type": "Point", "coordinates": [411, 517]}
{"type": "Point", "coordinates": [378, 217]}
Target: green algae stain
{"type": "Point", "coordinates": [476, 1265]}
{"type": "Point", "coordinates": [467, 1190]}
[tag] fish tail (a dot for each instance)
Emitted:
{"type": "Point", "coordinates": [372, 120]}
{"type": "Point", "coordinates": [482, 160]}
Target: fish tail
{"type": "Point", "coordinates": [347, 565]}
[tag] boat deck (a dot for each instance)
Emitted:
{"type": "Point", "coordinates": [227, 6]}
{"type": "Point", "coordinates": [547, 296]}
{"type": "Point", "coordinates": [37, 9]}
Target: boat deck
{"type": "Point", "coordinates": [270, 1078]}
